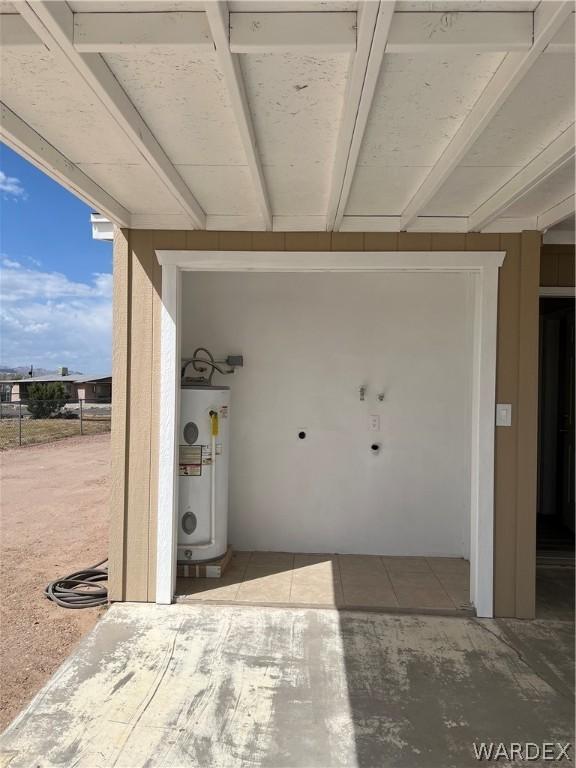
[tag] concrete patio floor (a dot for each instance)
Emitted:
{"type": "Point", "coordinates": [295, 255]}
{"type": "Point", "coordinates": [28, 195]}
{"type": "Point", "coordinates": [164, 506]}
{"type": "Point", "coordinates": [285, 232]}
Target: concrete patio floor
{"type": "Point", "coordinates": [214, 686]}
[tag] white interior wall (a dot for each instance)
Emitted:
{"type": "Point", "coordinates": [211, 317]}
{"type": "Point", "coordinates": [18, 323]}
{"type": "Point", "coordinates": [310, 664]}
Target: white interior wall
{"type": "Point", "coordinates": [309, 342]}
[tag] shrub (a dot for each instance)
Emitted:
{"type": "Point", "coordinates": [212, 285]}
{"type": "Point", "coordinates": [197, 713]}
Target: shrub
{"type": "Point", "coordinates": [46, 400]}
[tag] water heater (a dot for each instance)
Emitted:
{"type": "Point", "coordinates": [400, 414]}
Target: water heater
{"type": "Point", "coordinates": [203, 472]}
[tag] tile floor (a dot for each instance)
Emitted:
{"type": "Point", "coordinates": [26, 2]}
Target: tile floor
{"type": "Point", "coordinates": [430, 584]}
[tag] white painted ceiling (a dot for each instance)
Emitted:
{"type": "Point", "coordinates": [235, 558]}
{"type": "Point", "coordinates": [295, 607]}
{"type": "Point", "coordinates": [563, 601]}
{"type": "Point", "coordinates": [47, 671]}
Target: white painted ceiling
{"type": "Point", "coordinates": [350, 135]}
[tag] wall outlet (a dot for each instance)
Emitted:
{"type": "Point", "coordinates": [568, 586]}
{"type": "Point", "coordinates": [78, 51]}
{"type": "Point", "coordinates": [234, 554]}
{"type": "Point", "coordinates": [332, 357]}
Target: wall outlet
{"type": "Point", "coordinates": [503, 415]}
{"type": "Point", "coordinates": [374, 423]}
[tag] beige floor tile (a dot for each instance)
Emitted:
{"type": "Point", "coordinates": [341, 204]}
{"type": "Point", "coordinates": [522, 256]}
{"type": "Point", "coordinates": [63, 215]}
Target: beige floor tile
{"type": "Point", "coordinates": [315, 592]}
{"type": "Point", "coordinates": [284, 559]}
{"type": "Point", "coordinates": [457, 588]}
{"type": "Point", "coordinates": [372, 595]}
{"type": "Point", "coordinates": [266, 586]}
{"type": "Point", "coordinates": [327, 568]}
{"type": "Point", "coordinates": [306, 559]}
{"type": "Point", "coordinates": [241, 555]}
{"type": "Point", "coordinates": [212, 589]}
{"type": "Point", "coordinates": [420, 590]}
{"type": "Point", "coordinates": [359, 561]}
{"type": "Point", "coordinates": [454, 580]}
{"type": "Point", "coordinates": [449, 565]}
{"type": "Point", "coordinates": [367, 585]}
{"type": "Point", "coordinates": [258, 571]}
{"type": "Point", "coordinates": [365, 578]}
{"type": "Point", "coordinates": [362, 567]}
{"type": "Point", "coordinates": [235, 571]}
{"type": "Point", "coordinates": [406, 564]}
{"type": "Point", "coordinates": [319, 572]}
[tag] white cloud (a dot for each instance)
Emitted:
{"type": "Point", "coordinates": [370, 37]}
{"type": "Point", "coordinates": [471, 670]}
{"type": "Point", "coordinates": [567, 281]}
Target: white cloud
{"type": "Point", "coordinates": [12, 187]}
{"type": "Point", "coordinates": [49, 320]}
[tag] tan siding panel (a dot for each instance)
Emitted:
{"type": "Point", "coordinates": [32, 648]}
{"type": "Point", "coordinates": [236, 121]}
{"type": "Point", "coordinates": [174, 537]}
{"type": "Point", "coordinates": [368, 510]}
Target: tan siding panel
{"type": "Point", "coordinates": [268, 241]}
{"type": "Point", "coordinates": [140, 404]}
{"type": "Point", "coordinates": [120, 415]}
{"type": "Point", "coordinates": [448, 242]}
{"type": "Point", "coordinates": [235, 241]}
{"type": "Point", "coordinates": [381, 241]}
{"type": "Point", "coordinates": [566, 269]}
{"type": "Point", "coordinates": [507, 437]}
{"type": "Point", "coordinates": [548, 268]}
{"type": "Point", "coordinates": [201, 240]}
{"type": "Point", "coordinates": [557, 265]}
{"type": "Point", "coordinates": [414, 241]}
{"type": "Point", "coordinates": [347, 241]}
{"type": "Point", "coordinates": [308, 241]}
{"type": "Point", "coordinates": [527, 427]}
{"type": "Point", "coordinates": [482, 241]}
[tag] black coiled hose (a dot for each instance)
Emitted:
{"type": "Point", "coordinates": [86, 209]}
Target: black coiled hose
{"type": "Point", "coordinates": [79, 590]}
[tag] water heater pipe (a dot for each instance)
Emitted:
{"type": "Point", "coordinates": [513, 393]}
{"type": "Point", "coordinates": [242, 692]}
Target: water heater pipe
{"type": "Point", "coordinates": [214, 432]}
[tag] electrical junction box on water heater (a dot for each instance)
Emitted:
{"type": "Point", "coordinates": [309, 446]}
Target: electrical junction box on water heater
{"type": "Point", "coordinates": [203, 472]}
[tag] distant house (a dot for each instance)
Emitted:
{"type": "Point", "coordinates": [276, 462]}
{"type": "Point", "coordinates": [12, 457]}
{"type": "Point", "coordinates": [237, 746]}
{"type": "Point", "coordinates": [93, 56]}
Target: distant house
{"type": "Point", "coordinates": [91, 389]}
{"type": "Point", "coordinates": [94, 389]}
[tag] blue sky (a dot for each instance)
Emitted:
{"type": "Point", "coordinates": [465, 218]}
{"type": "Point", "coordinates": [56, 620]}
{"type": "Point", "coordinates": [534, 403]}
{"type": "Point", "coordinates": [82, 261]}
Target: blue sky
{"type": "Point", "coordinates": [55, 281]}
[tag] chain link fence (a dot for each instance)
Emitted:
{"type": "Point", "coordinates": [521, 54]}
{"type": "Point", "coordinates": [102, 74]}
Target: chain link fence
{"type": "Point", "coordinates": [18, 426]}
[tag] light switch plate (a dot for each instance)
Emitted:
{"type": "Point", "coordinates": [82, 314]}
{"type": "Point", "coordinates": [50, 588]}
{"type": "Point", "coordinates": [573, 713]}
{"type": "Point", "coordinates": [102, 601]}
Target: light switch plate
{"type": "Point", "coordinates": [503, 414]}
{"type": "Point", "coordinates": [374, 423]}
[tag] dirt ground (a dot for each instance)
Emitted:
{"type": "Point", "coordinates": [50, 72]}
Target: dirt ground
{"type": "Point", "coordinates": [54, 520]}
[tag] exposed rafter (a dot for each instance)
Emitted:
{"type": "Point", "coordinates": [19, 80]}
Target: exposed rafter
{"type": "Point", "coordinates": [546, 163]}
{"type": "Point", "coordinates": [125, 32]}
{"type": "Point", "coordinates": [23, 139]}
{"type": "Point", "coordinates": [53, 23]}
{"type": "Point", "coordinates": [557, 213]}
{"type": "Point", "coordinates": [548, 19]}
{"type": "Point", "coordinates": [219, 21]}
{"type": "Point", "coordinates": [373, 26]}
{"type": "Point", "coordinates": [434, 32]}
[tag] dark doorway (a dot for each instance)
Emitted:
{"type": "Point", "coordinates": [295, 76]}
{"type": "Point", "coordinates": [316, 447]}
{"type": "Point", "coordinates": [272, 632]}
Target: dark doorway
{"type": "Point", "coordinates": [555, 520]}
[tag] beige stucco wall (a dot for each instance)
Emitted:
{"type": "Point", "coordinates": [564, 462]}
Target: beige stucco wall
{"type": "Point", "coordinates": [136, 365]}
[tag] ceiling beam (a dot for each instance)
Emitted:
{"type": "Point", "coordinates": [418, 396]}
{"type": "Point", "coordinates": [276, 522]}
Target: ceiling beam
{"type": "Point", "coordinates": [433, 224]}
{"type": "Point", "coordinates": [392, 224]}
{"type": "Point", "coordinates": [435, 32]}
{"type": "Point", "coordinates": [561, 151]}
{"type": "Point", "coordinates": [23, 139]}
{"type": "Point", "coordinates": [374, 21]}
{"type": "Point", "coordinates": [125, 32]}
{"type": "Point", "coordinates": [557, 213]}
{"type": "Point", "coordinates": [53, 22]}
{"type": "Point", "coordinates": [303, 33]}
{"type": "Point", "coordinates": [548, 19]}
{"type": "Point", "coordinates": [219, 21]}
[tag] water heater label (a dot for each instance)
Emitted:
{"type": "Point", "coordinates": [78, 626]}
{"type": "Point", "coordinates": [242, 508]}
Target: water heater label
{"type": "Point", "coordinates": [207, 453]}
{"type": "Point", "coordinates": [224, 412]}
{"type": "Point", "coordinates": [190, 460]}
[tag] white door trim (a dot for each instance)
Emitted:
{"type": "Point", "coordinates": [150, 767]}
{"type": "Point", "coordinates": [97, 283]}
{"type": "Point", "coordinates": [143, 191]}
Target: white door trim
{"type": "Point", "coordinates": [483, 264]}
{"type": "Point", "coordinates": [168, 432]}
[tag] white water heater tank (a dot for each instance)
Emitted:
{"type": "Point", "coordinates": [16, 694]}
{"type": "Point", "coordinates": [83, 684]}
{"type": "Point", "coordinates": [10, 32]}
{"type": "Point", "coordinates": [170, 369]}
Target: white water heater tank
{"type": "Point", "coordinates": [203, 472]}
